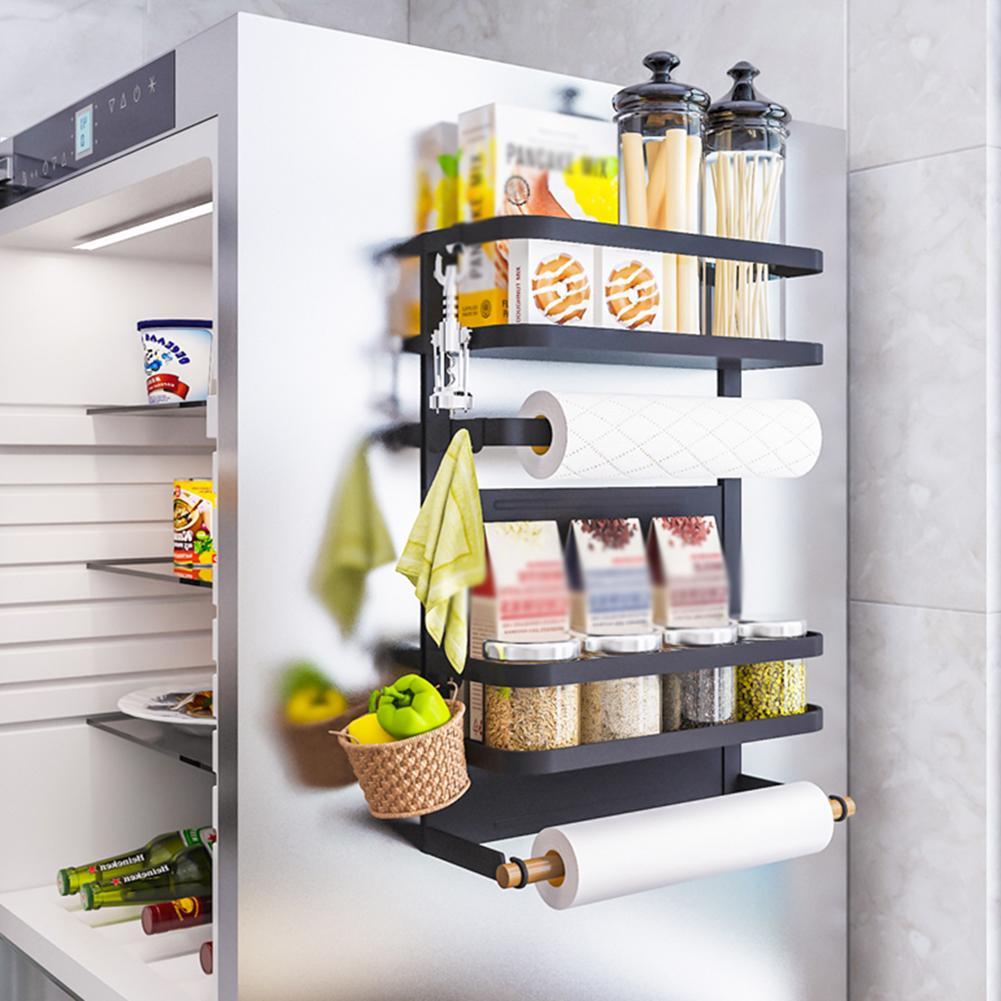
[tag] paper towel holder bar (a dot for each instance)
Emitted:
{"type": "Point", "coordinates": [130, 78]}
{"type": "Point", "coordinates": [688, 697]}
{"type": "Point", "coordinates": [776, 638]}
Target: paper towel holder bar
{"type": "Point", "coordinates": [518, 873]}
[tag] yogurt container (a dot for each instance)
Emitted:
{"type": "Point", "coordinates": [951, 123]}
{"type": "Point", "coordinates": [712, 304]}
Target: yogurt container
{"type": "Point", "coordinates": [177, 357]}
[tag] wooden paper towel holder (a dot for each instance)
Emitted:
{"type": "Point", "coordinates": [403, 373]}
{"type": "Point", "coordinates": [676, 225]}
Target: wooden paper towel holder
{"type": "Point", "coordinates": [518, 873]}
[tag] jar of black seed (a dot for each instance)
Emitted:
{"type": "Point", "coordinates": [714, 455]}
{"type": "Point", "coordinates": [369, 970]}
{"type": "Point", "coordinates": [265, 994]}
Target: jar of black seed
{"type": "Point", "coordinates": [700, 698]}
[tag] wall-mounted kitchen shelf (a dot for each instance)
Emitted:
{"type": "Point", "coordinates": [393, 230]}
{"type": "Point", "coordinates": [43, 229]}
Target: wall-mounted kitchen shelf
{"type": "Point", "coordinates": [517, 792]}
{"type": "Point", "coordinates": [191, 408]}
{"type": "Point", "coordinates": [784, 261]}
{"type": "Point", "coordinates": [150, 567]}
{"type": "Point", "coordinates": [658, 745]}
{"type": "Point", "coordinates": [166, 738]}
{"type": "Point", "coordinates": [104, 956]}
{"type": "Point", "coordinates": [606, 346]}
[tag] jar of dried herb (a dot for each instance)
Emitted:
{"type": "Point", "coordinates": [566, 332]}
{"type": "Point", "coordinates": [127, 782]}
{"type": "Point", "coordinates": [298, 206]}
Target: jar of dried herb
{"type": "Point", "coordinates": [774, 688]}
{"type": "Point", "coordinates": [532, 719]}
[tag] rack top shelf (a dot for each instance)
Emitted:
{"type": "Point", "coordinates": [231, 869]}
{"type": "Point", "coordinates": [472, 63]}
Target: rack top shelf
{"type": "Point", "coordinates": [604, 346]}
{"type": "Point", "coordinates": [784, 261]}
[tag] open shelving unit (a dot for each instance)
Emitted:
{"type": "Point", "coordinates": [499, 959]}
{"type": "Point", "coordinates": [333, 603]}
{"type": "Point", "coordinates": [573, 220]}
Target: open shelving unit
{"type": "Point", "coordinates": [151, 567]}
{"type": "Point", "coordinates": [519, 792]}
{"type": "Point", "coordinates": [169, 739]}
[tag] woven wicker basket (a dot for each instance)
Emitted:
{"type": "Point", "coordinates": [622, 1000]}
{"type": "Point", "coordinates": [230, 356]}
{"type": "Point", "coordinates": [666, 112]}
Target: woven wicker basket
{"type": "Point", "coordinates": [411, 777]}
{"type": "Point", "coordinates": [316, 760]}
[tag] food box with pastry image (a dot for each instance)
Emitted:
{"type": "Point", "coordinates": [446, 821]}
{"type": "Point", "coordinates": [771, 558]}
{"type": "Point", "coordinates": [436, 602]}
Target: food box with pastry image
{"type": "Point", "coordinates": [552, 282]}
{"type": "Point", "coordinates": [194, 525]}
{"type": "Point", "coordinates": [520, 161]}
{"type": "Point", "coordinates": [524, 597]}
{"type": "Point", "coordinates": [628, 289]}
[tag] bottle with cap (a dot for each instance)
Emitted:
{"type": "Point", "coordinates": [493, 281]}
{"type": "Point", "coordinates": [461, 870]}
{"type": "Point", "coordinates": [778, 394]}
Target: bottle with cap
{"type": "Point", "coordinates": [661, 122]}
{"type": "Point", "coordinates": [746, 136]}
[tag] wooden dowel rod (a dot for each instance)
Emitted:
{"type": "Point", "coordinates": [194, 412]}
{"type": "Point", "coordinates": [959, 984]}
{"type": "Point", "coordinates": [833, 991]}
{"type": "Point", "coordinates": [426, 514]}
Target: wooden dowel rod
{"type": "Point", "coordinates": [548, 867]}
{"type": "Point", "coordinates": [836, 808]}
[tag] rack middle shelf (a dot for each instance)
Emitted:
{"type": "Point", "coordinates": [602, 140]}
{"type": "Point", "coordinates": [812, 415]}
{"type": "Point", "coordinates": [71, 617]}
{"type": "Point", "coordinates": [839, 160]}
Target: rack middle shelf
{"type": "Point", "coordinates": [607, 667]}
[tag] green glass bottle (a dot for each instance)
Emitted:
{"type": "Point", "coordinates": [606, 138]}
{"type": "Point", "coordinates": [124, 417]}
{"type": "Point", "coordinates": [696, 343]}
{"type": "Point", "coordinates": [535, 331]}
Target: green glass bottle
{"type": "Point", "coordinates": [161, 849]}
{"type": "Point", "coordinates": [188, 874]}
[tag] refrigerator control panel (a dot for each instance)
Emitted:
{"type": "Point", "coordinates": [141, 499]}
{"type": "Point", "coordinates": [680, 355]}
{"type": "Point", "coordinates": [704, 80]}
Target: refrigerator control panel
{"type": "Point", "coordinates": [133, 110]}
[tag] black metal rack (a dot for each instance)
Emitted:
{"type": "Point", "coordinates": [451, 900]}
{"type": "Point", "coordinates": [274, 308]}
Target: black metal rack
{"type": "Point", "coordinates": [519, 792]}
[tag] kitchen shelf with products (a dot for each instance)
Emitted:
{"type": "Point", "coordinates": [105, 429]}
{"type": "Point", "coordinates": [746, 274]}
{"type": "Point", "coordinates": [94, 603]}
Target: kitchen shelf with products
{"type": "Point", "coordinates": [161, 737]}
{"type": "Point", "coordinates": [520, 791]}
{"type": "Point", "coordinates": [149, 567]}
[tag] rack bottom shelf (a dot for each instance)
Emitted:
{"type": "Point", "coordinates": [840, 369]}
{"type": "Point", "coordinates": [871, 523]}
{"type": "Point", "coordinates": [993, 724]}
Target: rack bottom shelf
{"type": "Point", "coordinates": [658, 745]}
{"type": "Point", "coordinates": [104, 955]}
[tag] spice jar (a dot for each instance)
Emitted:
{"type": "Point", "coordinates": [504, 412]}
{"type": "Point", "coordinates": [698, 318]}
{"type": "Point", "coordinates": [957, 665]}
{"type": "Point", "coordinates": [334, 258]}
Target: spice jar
{"type": "Point", "coordinates": [660, 174]}
{"type": "Point", "coordinates": [746, 137]}
{"type": "Point", "coordinates": [619, 709]}
{"type": "Point", "coordinates": [775, 688]}
{"type": "Point", "coordinates": [532, 719]}
{"type": "Point", "coordinates": [700, 698]}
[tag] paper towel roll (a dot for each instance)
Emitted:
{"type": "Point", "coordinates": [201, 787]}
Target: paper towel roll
{"type": "Point", "coordinates": [615, 856]}
{"type": "Point", "coordinates": [598, 436]}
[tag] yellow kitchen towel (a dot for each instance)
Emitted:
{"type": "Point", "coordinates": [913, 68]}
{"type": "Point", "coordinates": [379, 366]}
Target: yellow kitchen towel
{"type": "Point", "coordinates": [356, 542]}
{"type": "Point", "coordinates": [445, 553]}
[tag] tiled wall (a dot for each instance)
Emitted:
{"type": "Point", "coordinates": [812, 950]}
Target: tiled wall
{"type": "Point", "coordinates": [52, 51]}
{"type": "Point", "coordinates": [923, 745]}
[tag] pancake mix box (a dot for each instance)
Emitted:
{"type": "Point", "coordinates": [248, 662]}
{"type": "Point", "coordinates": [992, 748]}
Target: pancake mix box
{"type": "Point", "coordinates": [524, 597]}
{"type": "Point", "coordinates": [520, 161]}
{"type": "Point", "coordinates": [609, 577]}
{"type": "Point", "coordinates": [551, 282]}
{"type": "Point", "coordinates": [691, 586]}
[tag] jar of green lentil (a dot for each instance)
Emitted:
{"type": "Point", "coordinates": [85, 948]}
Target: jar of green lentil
{"type": "Point", "coordinates": [775, 688]}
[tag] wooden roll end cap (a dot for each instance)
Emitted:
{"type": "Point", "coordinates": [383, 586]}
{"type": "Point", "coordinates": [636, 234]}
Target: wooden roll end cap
{"type": "Point", "coordinates": [512, 875]}
{"type": "Point", "coordinates": [842, 807]}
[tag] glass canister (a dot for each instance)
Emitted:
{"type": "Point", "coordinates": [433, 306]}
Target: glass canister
{"type": "Point", "coordinates": [532, 719]}
{"type": "Point", "coordinates": [774, 688]}
{"type": "Point", "coordinates": [746, 135]}
{"type": "Point", "coordinates": [619, 709]}
{"type": "Point", "coordinates": [661, 124]}
{"type": "Point", "coordinates": [700, 698]}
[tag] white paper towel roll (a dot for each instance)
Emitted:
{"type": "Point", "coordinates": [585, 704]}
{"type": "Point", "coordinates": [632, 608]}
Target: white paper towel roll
{"type": "Point", "coordinates": [597, 436]}
{"type": "Point", "coordinates": [615, 856]}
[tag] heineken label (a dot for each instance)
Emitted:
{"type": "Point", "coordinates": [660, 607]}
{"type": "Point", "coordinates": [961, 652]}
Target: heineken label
{"type": "Point", "coordinates": [204, 836]}
{"type": "Point", "coordinates": [134, 877]}
{"type": "Point", "coordinates": [139, 858]}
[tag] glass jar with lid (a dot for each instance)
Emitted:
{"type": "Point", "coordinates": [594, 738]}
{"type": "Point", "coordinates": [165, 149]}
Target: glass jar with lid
{"type": "Point", "coordinates": [531, 719]}
{"type": "Point", "coordinates": [746, 136]}
{"type": "Point", "coordinates": [660, 125]}
{"type": "Point", "coordinates": [700, 698]}
{"type": "Point", "coordinates": [771, 689]}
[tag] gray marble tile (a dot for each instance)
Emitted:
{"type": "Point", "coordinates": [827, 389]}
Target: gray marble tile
{"type": "Point", "coordinates": [917, 386]}
{"type": "Point", "coordinates": [170, 22]}
{"type": "Point", "coordinates": [918, 846]}
{"type": "Point", "coordinates": [798, 47]}
{"type": "Point", "coordinates": [53, 52]}
{"type": "Point", "coordinates": [917, 72]}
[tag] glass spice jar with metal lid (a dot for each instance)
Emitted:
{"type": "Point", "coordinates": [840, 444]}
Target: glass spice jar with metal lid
{"type": "Point", "coordinates": [660, 174]}
{"type": "Point", "coordinates": [746, 136]}
{"type": "Point", "coordinates": [700, 698]}
{"type": "Point", "coordinates": [532, 719]}
{"type": "Point", "coordinates": [771, 689]}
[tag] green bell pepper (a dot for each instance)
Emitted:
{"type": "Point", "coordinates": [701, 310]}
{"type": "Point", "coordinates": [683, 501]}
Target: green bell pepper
{"type": "Point", "coordinates": [408, 707]}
